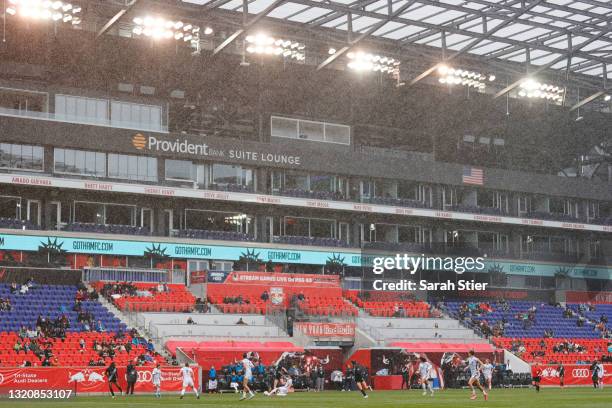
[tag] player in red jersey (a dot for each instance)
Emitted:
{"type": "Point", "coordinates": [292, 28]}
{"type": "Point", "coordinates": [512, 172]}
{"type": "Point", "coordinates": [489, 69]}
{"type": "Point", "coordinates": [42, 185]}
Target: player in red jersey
{"type": "Point", "coordinates": [536, 375]}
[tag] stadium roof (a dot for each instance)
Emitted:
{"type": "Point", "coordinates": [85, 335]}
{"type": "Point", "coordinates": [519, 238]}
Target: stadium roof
{"type": "Point", "coordinates": [544, 33]}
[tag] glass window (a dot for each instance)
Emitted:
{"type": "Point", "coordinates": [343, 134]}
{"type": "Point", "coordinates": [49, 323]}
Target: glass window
{"type": "Point", "coordinates": [284, 127]}
{"type": "Point", "coordinates": [80, 162]}
{"type": "Point", "coordinates": [128, 167]}
{"type": "Point", "coordinates": [10, 207]}
{"type": "Point", "coordinates": [407, 234]}
{"type": "Point", "coordinates": [485, 198]}
{"type": "Point", "coordinates": [218, 221]}
{"type": "Point", "coordinates": [25, 157]}
{"type": "Point", "coordinates": [119, 214]}
{"type": "Point", "coordinates": [297, 227]}
{"type": "Point", "coordinates": [337, 134]}
{"type": "Point", "coordinates": [556, 205]}
{"type": "Point", "coordinates": [407, 190]}
{"type": "Point", "coordinates": [224, 174]}
{"type": "Point", "coordinates": [322, 228]}
{"type": "Point", "coordinates": [321, 182]}
{"type": "Point", "coordinates": [311, 130]}
{"type": "Point", "coordinates": [179, 170]}
{"type": "Point", "coordinates": [296, 181]}
{"type": "Point", "coordinates": [89, 213]}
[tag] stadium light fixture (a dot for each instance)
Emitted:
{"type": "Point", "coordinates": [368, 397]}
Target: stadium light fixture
{"type": "Point", "coordinates": [49, 10]}
{"type": "Point", "coordinates": [530, 88]}
{"type": "Point", "coordinates": [362, 61]}
{"type": "Point", "coordinates": [159, 28]}
{"type": "Point", "coordinates": [264, 44]}
{"type": "Point", "coordinates": [456, 76]}
{"type": "Point", "coordinates": [607, 98]}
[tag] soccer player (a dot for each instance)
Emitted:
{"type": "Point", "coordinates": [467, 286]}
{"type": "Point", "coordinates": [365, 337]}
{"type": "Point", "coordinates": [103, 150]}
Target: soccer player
{"type": "Point", "coordinates": [247, 367]}
{"type": "Point", "coordinates": [487, 372]}
{"type": "Point", "coordinates": [425, 368]}
{"type": "Point", "coordinates": [474, 364]}
{"type": "Point", "coordinates": [561, 371]}
{"type": "Point", "coordinates": [187, 374]}
{"type": "Point", "coordinates": [283, 390]}
{"type": "Point", "coordinates": [537, 376]}
{"type": "Point", "coordinates": [156, 380]}
{"type": "Point", "coordinates": [359, 378]}
{"type": "Point", "coordinates": [600, 375]}
{"type": "Point", "coordinates": [111, 373]}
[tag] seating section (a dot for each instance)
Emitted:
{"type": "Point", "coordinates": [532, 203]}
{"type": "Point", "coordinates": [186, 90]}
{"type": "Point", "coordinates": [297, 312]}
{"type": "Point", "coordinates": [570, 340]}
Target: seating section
{"type": "Point", "coordinates": [52, 301]}
{"type": "Point", "coordinates": [478, 210]}
{"type": "Point", "coordinates": [12, 223]}
{"type": "Point", "coordinates": [242, 304]}
{"type": "Point", "coordinates": [234, 188]}
{"type": "Point", "coordinates": [18, 326]}
{"type": "Point", "coordinates": [388, 304]}
{"type": "Point", "coordinates": [69, 351]}
{"type": "Point", "coordinates": [214, 235]}
{"type": "Point", "coordinates": [602, 221]}
{"type": "Point", "coordinates": [317, 195]}
{"type": "Point", "coordinates": [107, 229]}
{"type": "Point", "coordinates": [543, 215]}
{"type": "Point", "coordinates": [554, 351]}
{"type": "Point", "coordinates": [522, 319]}
{"type": "Point", "coordinates": [146, 297]}
{"type": "Point", "coordinates": [326, 306]}
{"type": "Point", "coordinates": [297, 240]}
{"type": "Point", "coordinates": [398, 202]}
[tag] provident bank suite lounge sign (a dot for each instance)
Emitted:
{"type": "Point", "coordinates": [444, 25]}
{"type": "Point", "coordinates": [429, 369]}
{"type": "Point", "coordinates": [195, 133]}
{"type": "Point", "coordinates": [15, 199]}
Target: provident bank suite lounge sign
{"type": "Point", "coordinates": [155, 144]}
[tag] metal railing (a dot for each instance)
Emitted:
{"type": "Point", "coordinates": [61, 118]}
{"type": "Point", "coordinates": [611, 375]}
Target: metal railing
{"type": "Point", "coordinates": [91, 274]}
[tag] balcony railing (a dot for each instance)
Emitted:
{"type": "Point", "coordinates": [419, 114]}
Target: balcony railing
{"type": "Point", "coordinates": [114, 123]}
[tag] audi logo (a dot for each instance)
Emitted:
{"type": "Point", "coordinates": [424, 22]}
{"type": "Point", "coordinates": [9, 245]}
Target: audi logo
{"type": "Point", "coordinates": [580, 372]}
{"type": "Point", "coordinates": [1, 378]}
{"type": "Point", "coordinates": [144, 376]}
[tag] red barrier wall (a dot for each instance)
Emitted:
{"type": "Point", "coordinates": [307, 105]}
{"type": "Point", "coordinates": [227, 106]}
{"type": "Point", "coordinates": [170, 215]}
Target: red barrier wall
{"type": "Point", "coordinates": [586, 297]}
{"type": "Point", "coordinates": [88, 379]}
{"type": "Point", "coordinates": [574, 375]}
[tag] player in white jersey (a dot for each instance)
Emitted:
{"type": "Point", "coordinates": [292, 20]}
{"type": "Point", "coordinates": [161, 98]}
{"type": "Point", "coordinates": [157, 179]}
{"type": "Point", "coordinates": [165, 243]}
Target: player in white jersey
{"type": "Point", "coordinates": [187, 374]}
{"type": "Point", "coordinates": [474, 365]}
{"type": "Point", "coordinates": [600, 375]}
{"type": "Point", "coordinates": [156, 380]}
{"type": "Point", "coordinates": [487, 372]}
{"type": "Point", "coordinates": [247, 368]}
{"type": "Point", "coordinates": [426, 379]}
{"type": "Point", "coordinates": [283, 390]}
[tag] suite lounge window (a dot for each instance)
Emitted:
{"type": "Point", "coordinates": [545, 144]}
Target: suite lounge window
{"type": "Point", "coordinates": [128, 167]}
{"type": "Point", "coordinates": [296, 181]}
{"type": "Point", "coordinates": [321, 182]}
{"type": "Point", "coordinates": [17, 156]}
{"type": "Point", "coordinates": [227, 174]}
{"type": "Point", "coordinates": [179, 170]}
{"type": "Point", "coordinates": [80, 162]}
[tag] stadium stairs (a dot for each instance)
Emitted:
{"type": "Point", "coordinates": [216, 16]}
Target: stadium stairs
{"type": "Point", "coordinates": [131, 320]}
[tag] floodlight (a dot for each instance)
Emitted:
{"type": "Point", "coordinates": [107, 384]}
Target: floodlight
{"type": "Point", "coordinates": [464, 77]}
{"type": "Point", "coordinates": [262, 43]}
{"type": "Point", "coordinates": [58, 11]}
{"type": "Point", "coordinates": [531, 88]}
{"type": "Point", "coordinates": [364, 61]}
{"type": "Point", "coordinates": [160, 28]}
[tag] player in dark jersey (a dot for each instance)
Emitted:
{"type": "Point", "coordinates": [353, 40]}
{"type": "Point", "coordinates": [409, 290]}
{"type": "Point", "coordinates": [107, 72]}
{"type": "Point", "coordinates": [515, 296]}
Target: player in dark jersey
{"type": "Point", "coordinates": [536, 376]}
{"type": "Point", "coordinates": [561, 371]}
{"type": "Point", "coordinates": [359, 375]}
{"type": "Point", "coordinates": [111, 374]}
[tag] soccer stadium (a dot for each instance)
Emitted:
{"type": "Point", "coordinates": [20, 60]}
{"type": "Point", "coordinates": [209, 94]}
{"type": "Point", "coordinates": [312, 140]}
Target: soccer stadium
{"type": "Point", "coordinates": [306, 203]}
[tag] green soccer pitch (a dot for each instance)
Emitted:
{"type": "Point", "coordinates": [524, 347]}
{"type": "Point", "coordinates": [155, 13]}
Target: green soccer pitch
{"type": "Point", "coordinates": [515, 398]}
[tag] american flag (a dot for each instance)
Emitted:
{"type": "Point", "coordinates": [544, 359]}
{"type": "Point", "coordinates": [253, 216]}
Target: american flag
{"type": "Point", "coordinates": [472, 175]}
